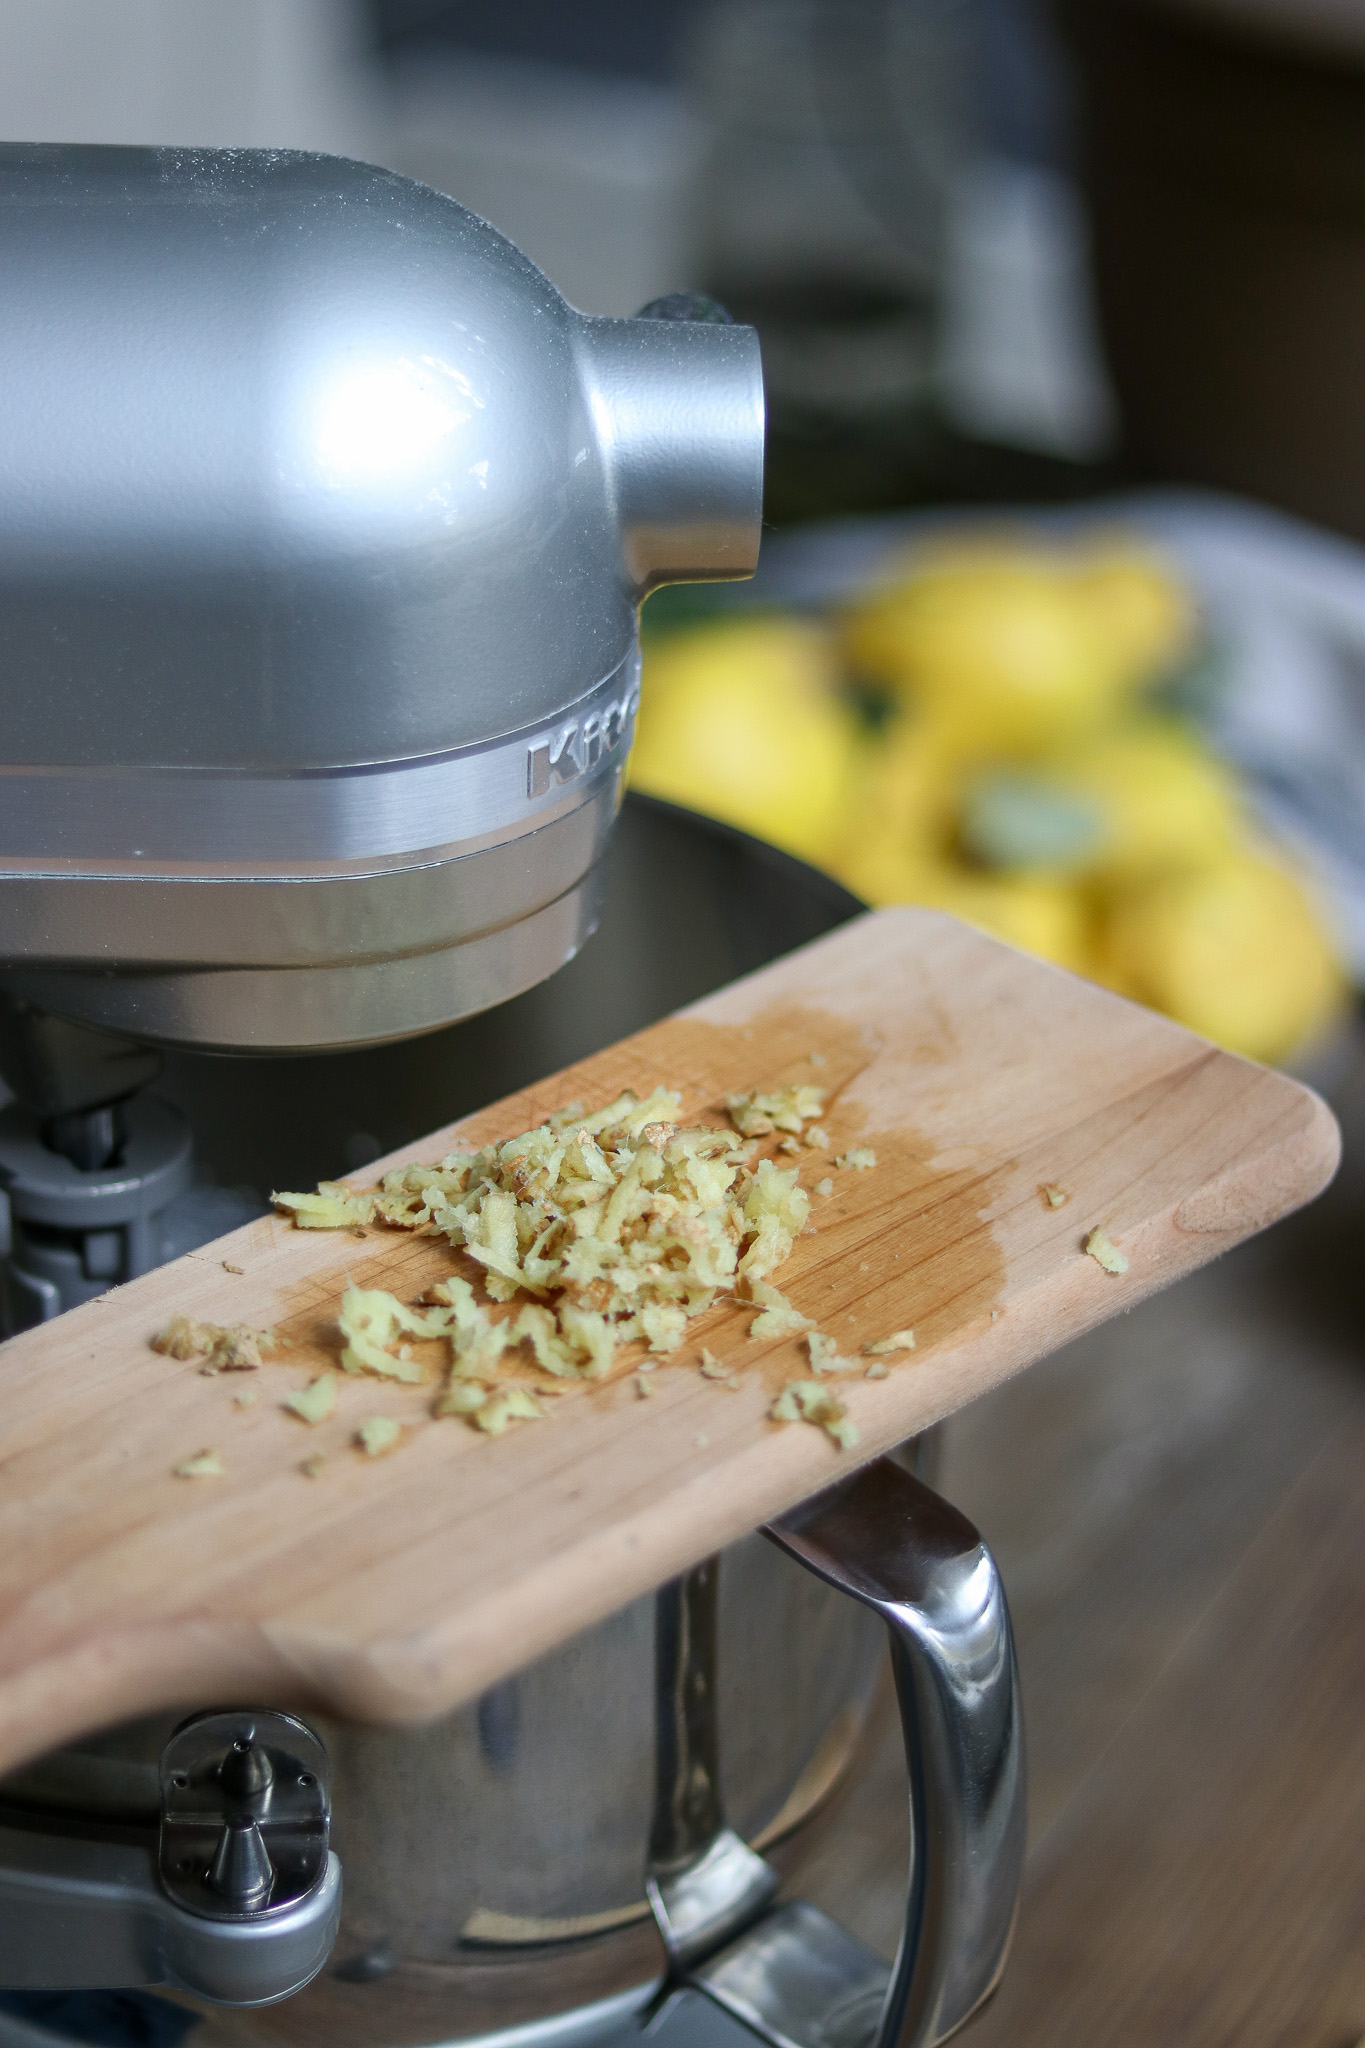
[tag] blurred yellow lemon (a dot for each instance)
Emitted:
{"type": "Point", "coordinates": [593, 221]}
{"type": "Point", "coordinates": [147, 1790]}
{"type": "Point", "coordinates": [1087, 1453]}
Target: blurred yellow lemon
{"type": "Point", "coordinates": [1000, 650]}
{"type": "Point", "coordinates": [1141, 606]}
{"type": "Point", "coordinates": [906, 793]}
{"type": "Point", "coordinates": [741, 721]}
{"type": "Point", "coordinates": [1039, 916]}
{"type": "Point", "coordinates": [1141, 798]}
{"type": "Point", "coordinates": [1234, 950]}
{"type": "Point", "coordinates": [1162, 798]}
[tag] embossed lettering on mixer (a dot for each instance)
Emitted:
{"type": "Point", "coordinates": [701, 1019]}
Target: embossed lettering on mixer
{"type": "Point", "coordinates": [576, 748]}
{"type": "Point", "coordinates": [600, 1233]}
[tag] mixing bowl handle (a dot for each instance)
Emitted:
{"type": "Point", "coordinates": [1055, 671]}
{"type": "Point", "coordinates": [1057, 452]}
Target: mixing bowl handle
{"type": "Point", "coordinates": [794, 1976]}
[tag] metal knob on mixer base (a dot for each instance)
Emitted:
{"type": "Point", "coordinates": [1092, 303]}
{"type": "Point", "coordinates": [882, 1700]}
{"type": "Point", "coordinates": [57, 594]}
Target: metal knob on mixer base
{"type": "Point", "coordinates": [245, 1814]}
{"type": "Point", "coordinates": [238, 1902]}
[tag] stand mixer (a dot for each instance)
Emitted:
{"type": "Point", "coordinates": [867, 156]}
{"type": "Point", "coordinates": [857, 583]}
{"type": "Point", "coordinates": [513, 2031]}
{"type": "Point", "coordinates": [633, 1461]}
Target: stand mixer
{"type": "Point", "coordinates": [324, 526]}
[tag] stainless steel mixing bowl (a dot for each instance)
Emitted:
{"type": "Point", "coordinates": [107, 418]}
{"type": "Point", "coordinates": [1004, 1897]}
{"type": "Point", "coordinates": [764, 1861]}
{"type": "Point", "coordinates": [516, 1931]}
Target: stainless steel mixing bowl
{"type": "Point", "coordinates": [496, 1862]}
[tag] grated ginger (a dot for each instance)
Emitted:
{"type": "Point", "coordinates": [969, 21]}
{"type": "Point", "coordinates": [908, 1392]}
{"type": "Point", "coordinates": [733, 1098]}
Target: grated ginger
{"type": "Point", "coordinates": [1105, 1252]}
{"type": "Point", "coordinates": [203, 1465]}
{"type": "Point", "coordinates": [620, 1227]}
{"type": "Point", "coordinates": [378, 1435]}
{"type": "Point", "coordinates": [223, 1349]}
{"type": "Point", "coordinates": [315, 1402]}
{"type": "Point", "coordinates": [595, 1231]}
{"type": "Point", "coordinates": [899, 1340]}
{"type": "Point", "coordinates": [782, 1109]}
{"type": "Point", "coordinates": [812, 1401]}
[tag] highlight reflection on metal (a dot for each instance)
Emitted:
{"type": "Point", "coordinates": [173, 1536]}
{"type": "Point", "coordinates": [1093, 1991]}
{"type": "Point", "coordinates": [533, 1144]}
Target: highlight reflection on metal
{"type": "Point", "coordinates": [794, 1976]}
{"type": "Point", "coordinates": [324, 524]}
{"type": "Point", "coordinates": [704, 1883]}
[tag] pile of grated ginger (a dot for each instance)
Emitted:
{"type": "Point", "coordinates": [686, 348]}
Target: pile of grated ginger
{"type": "Point", "coordinates": [594, 1232]}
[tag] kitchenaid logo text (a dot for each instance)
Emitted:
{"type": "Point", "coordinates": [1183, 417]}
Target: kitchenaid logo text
{"type": "Point", "coordinates": [576, 748]}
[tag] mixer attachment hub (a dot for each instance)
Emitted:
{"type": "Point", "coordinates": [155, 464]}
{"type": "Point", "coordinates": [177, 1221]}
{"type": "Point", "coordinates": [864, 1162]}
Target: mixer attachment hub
{"type": "Point", "coordinates": [97, 1181]}
{"type": "Point", "coordinates": [245, 1813]}
{"type": "Point", "coordinates": [241, 1872]}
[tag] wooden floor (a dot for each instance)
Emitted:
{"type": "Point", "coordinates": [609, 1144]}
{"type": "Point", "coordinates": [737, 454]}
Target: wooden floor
{"type": "Point", "coordinates": [1177, 1504]}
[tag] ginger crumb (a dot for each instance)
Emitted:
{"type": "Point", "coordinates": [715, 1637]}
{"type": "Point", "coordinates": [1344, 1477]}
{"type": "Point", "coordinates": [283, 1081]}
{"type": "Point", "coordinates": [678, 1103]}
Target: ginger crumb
{"type": "Point", "coordinates": [877, 1370]}
{"type": "Point", "coordinates": [203, 1465]}
{"type": "Point", "coordinates": [379, 1435]}
{"type": "Point", "coordinates": [311, 1467]}
{"type": "Point", "coordinates": [824, 1187]}
{"type": "Point", "coordinates": [244, 1397]}
{"type": "Point", "coordinates": [899, 1340]}
{"type": "Point", "coordinates": [779, 1318]}
{"type": "Point", "coordinates": [860, 1159]}
{"type": "Point", "coordinates": [315, 1402]}
{"type": "Point", "coordinates": [1106, 1253]}
{"type": "Point", "coordinates": [823, 1355]}
{"type": "Point", "coordinates": [1055, 1197]}
{"type": "Point", "coordinates": [228, 1267]}
{"type": "Point", "coordinates": [503, 1406]}
{"type": "Point", "coordinates": [756, 1113]}
{"type": "Point", "coordinates": [814, 1402]}
{"type": "Point", "coordinates": [223, 1348]}
{"type": "Point", "coordinates": [598, 1230]}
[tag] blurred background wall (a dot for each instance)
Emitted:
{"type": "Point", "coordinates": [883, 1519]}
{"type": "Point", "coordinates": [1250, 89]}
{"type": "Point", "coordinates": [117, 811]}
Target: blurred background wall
{"type": "Point", "coordinates": [882, 184]}
{"type": "Point", "coordinates": [996, 249]}
{"type": "Point", "coordinates": [240, 72]}
{"type": "Point", "coordinates": [1224, 148]}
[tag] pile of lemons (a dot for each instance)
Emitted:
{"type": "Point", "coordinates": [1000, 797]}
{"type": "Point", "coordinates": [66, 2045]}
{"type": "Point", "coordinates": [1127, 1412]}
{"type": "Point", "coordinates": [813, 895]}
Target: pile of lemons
{"type": "Point", "coordinates": [989, 732]}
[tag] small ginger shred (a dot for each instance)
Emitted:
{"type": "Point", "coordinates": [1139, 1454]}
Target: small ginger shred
{"type": "Point", "coordinates": [223, 1348]}
{"type": "Point", "coordinates": [1106, 1253]}
{"type": "Point", "coordinates": [204, 1465]}
{"type": "Point", "coordinates": [812, 1401]}
{"type": "Point", "coordinates": [315, 1402]}
{"type": "Point", "coordinates": [378, 1435]}
{"type": "Point", "coordinates": [899, 1340]}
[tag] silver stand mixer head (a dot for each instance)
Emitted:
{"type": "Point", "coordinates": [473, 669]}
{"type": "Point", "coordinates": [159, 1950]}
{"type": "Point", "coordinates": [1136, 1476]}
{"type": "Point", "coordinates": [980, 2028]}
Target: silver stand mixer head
{"type": "Point", "coordinates": [324, 525]}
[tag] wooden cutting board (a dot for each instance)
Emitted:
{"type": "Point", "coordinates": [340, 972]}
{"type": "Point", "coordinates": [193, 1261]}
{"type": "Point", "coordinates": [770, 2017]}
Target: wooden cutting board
{"type": "Point", "coordinates": [393, 1589]}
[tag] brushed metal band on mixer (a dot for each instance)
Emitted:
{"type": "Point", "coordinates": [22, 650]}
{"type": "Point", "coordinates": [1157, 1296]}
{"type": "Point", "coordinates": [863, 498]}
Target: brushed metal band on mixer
{"type": "Point", "coordinates": [180, 821]}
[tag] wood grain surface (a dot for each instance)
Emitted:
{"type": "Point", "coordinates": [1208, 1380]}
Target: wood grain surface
{"type": "Point", "coordinates": [393, 1589]}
